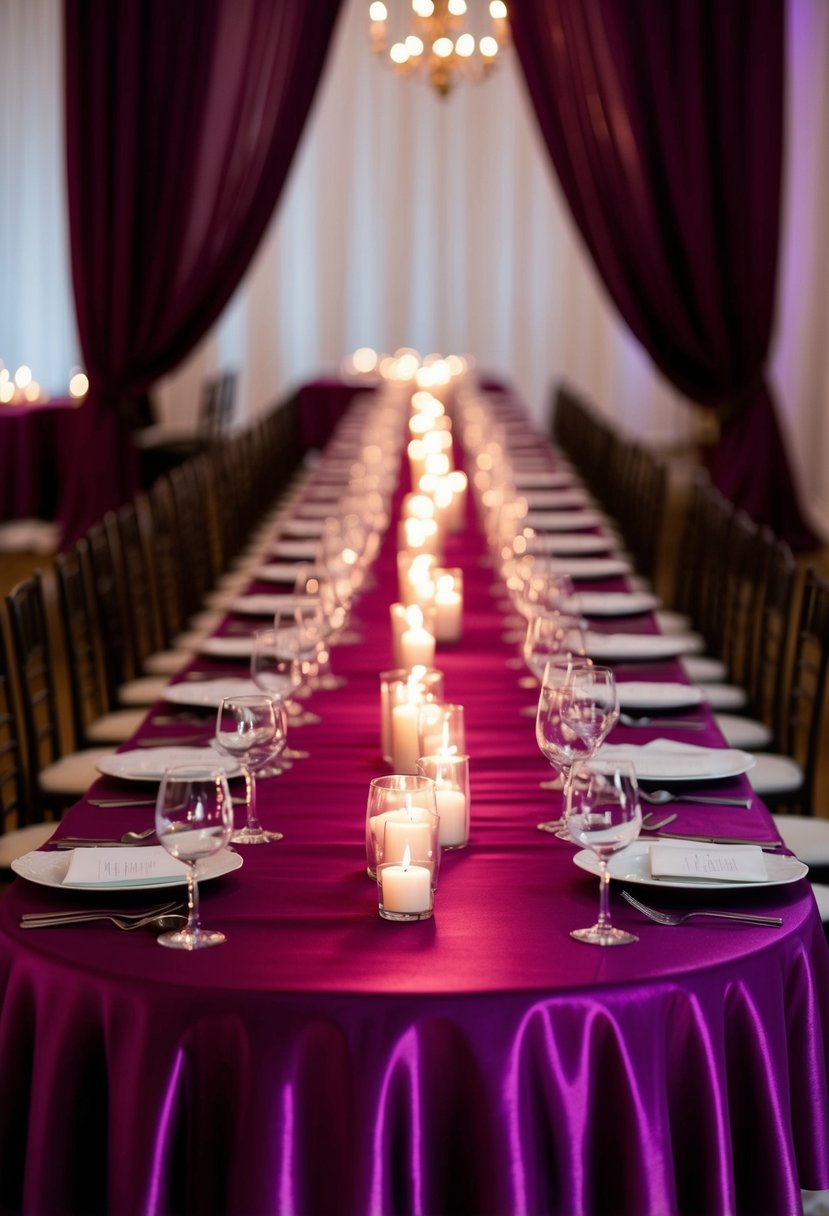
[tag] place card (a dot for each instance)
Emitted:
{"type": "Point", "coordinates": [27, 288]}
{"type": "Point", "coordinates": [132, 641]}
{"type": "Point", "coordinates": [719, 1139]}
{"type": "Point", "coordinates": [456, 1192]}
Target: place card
{"type": "Point", "coordinates": [745, 863]}
{"type": "Point", "coordinates": [123, 866]}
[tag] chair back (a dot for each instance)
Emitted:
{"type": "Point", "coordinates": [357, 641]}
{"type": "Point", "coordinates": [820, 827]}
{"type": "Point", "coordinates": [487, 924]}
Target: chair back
{"type": "Point", "coordinates": [31, 659]}
{"type": "Point", "coordinates": [807, 690]}
{"type": "Point", "coordinates": [81, 638]}
{"type": "Point", "coordinates": [15, 802]}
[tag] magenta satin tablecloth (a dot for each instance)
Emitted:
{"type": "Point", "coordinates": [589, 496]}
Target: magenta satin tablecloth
{"type": "Point", "coordinates": [326, 1061]}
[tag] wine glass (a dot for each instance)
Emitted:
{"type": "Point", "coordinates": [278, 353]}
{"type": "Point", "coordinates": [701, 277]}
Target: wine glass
{"type": "Point", "coordinates": [193, 819]}
{"type": "Point", "coordinates": [594, 710]}
{"type": "Point", "coordinates": [276, 675]}
{"type": "Point", "coordinates": [548, 634]}
{"type": "Point", "coordinates": [556, 736]}
{"type": "Point", "coordinates": [249, 729]}
{"type": "Point", "coordinates": [297, 626]}
{"type": "Point", "coordinates": [605, 815]}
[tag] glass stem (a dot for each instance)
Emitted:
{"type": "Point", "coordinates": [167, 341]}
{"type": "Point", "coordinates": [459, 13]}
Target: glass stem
{"type": "Point", "coordinates": [604, 895]}
{"type": "Point", "coordinates": [250, 801]}
{"type": "Point", "coordinates": [192, 899]}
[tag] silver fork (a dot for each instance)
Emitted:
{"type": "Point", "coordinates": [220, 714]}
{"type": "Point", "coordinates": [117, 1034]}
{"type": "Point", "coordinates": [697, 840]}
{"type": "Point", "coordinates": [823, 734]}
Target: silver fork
{"type": "Point", "coordinates": [675, 723]}
{"type": "Point", "coordinates": [679, 918]}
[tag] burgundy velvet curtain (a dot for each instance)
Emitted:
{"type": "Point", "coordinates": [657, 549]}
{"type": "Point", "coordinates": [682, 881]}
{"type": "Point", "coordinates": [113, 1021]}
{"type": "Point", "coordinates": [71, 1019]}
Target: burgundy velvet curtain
{"type": "Point", "coordinates": [664, 122]}
{"type": "Point", "coordinates": [182, 118]}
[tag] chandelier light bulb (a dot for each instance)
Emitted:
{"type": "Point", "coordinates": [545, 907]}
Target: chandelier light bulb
{"type": "Point", "coordinates": [445, 42]}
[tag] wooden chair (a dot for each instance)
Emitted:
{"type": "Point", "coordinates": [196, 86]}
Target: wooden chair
{"type": "Point", "coordinates": [95, 720]}
{"type": "Point", "coordinates": [58, 776]}
{"type": "Point", "coordinates": [20, 831]}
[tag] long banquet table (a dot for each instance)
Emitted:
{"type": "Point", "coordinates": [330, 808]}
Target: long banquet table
{"type": "Point", "coordinates": [327, 1061]}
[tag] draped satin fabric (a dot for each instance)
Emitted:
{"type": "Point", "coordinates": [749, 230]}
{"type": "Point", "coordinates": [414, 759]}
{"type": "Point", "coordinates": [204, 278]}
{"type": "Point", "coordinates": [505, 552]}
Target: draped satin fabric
{"type": "Point", "coordinates": [664, 124]}
{"type": "Point", "coordinates": [181, 125]}
{"type": "Point", "coordinates": [481, 1062]}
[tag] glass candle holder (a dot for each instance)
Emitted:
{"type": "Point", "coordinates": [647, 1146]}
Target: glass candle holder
{"type": "Point", "coordinates": [404, 891]}
{"type": "Point", "coordinates": [450, 774]}
{"type": "Point", "coordinates": [401, 815]}
{"type": "Point", "coordinates": [409, 689]}
{"type": "Point", "coordinates": [440, 728]}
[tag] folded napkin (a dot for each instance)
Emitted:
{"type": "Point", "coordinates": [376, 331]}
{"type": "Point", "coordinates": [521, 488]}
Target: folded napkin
{"type": "Point", "coordinates": [123, 867]}
{"type": "Point", "coordinates": [640, 645]}
{"type": "Point", "coordinates": [666, 760]}
{"type": "Point", "coordinates": [728, 863]}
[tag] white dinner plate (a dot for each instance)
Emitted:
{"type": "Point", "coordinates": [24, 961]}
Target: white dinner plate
{"type": "Point", "coordinates": [667, 760]}
{"type": "Point", "coordinates": [317, 510]}
{"type": "Point", "coordinates": [563, 544]}
{"type": "Point", "coordinates": [280, 572]}
{"type": "Point", "coordinates": [299, 550]}
{"type": "Point", "coordinates": [206, 694]}
{"type": "Point", "coordinates": [633, 865]}
{"type": "Point", "coordinates": [48, 869]}
{"type": "Point", "coordinates": [151, 763]}
{"type": "Point", "coordinates": [651, 694]}
{"type": "Point", "coordinates": [592, 567]}
{"type": "Point", "coordinates": [615, 603]}
{"type": "Point", "coordinates": [302, 527]}
{"type": "Point", "coordinates": [542, 479]}
{"type": "Point", "coordinates": [566, 521]}
{"type": "Point", "coordinates": [227, 647]}
{"type": "Point", "coordinates": [639, 646]}
{"type": "Point", "coordinates": [263, 605]}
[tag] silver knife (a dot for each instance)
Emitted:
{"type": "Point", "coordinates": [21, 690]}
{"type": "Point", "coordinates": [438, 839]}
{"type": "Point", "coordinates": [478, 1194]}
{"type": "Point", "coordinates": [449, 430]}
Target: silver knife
{"type": "Point", "coordinates": [767, 845]}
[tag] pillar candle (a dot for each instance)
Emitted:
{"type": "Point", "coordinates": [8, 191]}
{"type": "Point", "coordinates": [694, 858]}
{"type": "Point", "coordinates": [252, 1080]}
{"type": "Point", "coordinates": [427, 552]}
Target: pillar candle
{"type": "Point", "coordinates": [404, 740]}
{"type": "Point", "coordinates": [405, 889]}
{"type": "Point", "coordinates": [448, 610]}
{"type": "Point", "coordinates": [452, 811]}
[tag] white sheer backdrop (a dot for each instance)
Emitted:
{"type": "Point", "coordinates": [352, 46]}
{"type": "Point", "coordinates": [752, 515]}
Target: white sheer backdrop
{"type": "Point", "coordinates": [411, 220]}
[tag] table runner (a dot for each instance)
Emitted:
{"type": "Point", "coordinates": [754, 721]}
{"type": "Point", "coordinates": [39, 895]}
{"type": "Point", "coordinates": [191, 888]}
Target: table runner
{"type": "Point", "coordinates": [327, 1061]}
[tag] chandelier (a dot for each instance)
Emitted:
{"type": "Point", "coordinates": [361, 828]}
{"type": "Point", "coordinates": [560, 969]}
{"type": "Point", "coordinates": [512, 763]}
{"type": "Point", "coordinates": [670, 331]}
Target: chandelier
{"type": "Point", "coordinates": [442, 42]}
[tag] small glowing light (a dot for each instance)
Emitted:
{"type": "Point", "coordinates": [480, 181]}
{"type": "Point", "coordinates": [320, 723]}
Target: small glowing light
{"type": "Point", "coordinates": [457, 7]}
{"type": "Point", "coordinates": [414, 46]}
{"type": "Point", "coordinates": [443, 47]}
{"type": "Point", "coordinates": [378, 11]}
{"type": "Point", "coordinates": [488, 47]}
{"type": "Point", "coordinates": [23, 376]}
{"type": "Point", "coordinates": [398, 53]}
{"type": "Point", "coordinates": [497, 10]}
{"type": "Point", "coordinates": [456, 365]}
{"type": "Point", "coordinates": [78, 385]}
{"type": "Point", "coordinates": [364, 359]}
{"type": "Point", "coordinates": [465, 46]}
{"type": "Point", "coordinates": [6, 391]}
{"type": "Point", "coordinates": [407, 365]}
{"type": "Point", "coordinates": [423, 8]}
{"type": "Point", "coordinates": [32, 391]}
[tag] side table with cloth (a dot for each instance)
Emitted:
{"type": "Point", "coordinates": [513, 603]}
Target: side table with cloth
{"type": "Point", "coordinates": [33, 444]}
{"type": "Point", "coordinates": [326, 1061]}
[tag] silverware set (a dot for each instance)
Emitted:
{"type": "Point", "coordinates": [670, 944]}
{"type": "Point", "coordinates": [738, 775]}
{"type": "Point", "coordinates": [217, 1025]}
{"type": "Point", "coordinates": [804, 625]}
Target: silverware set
{"type": "Point", "coordinates": [164, 916]}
